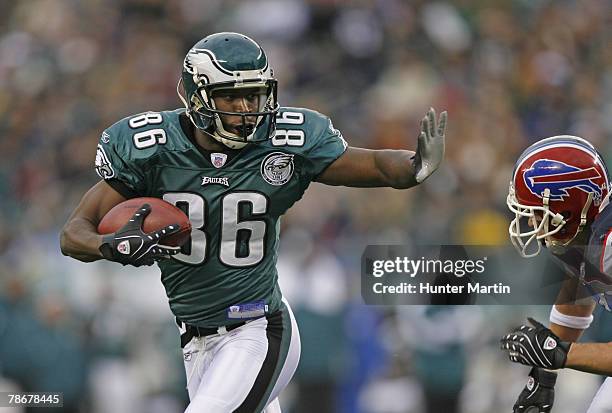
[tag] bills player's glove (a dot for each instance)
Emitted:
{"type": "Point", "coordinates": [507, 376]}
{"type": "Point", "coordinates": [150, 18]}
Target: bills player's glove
{"type": "Point", "coordinates": [430, 147]}
{"type": "Point", "coordinates": [536, 346]}
{"type": "Point", "coordinates": [130, 245]}
{"type": "Point", "coordinates": [538, 395]}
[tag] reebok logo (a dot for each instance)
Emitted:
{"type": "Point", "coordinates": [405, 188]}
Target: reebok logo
{"type": "Point", "coordinates": [124, 247]}
{"type": "Point", "coordinates": [550, 343]}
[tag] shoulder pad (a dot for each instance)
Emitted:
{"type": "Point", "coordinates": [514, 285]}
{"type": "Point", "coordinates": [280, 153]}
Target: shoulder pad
{"type": "Point", "coordinates": [143, 135]}
{"type": "Point", "coordinates": [302, 129]}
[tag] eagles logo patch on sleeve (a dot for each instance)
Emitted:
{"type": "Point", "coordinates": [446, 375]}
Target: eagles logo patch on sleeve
{"type": "Point", "coordinates": [103, 166]}
{"type": "Point", "coordinates": [277, 168]}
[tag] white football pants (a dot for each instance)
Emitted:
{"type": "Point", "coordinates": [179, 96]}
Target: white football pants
{"type": "Point", "coordinates": [602, 402]}
{"type": "Point", "coordinates": [245, 369]}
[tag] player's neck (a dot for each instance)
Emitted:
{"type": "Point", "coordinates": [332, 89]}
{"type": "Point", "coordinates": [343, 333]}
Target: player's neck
{"type": "Point", "coordinates": [207, 142]}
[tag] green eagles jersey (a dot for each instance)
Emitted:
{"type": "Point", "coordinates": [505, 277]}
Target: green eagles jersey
{"type": "Point", "coordinates": [234, 205]}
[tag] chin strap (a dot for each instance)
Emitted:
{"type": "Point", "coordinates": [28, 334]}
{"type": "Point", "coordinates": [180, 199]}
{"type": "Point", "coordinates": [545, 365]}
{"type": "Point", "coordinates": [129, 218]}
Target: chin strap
{"type": "Point", "coordinates": [228, 142]}
{"type": "Point", "coordinates": [557, 219]}
{"type": "Point", "coordinates": [581, 225]}
{"type": "Point", "coordinates": [585, 210]}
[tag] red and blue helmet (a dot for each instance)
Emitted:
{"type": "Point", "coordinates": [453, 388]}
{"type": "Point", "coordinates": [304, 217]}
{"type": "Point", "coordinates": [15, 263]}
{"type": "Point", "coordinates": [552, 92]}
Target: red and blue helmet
{"type": "Point", "coordinates": [558, 185]}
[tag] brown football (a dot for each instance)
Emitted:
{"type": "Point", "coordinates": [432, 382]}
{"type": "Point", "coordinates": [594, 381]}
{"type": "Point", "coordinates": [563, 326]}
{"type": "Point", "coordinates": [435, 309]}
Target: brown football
{"type": "Point", "coordinates": [162, 214]}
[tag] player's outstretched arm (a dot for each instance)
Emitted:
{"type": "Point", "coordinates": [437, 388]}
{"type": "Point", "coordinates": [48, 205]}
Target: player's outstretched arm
{"type": "Point", "coordinates": [393, 168]}
{"type": "Point", "coordinates": [79, 238]}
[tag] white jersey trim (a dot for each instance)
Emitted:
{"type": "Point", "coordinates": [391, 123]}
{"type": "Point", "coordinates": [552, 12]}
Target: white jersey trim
{"type": "Point", "coordinates": [605, 261]}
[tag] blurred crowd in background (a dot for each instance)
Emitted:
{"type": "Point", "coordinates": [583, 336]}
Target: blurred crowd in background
{"type": "Point", "coordinates": [508, 73]}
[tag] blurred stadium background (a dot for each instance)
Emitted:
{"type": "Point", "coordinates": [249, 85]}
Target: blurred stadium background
{"type": "Point", "coordinates": [508, 73]}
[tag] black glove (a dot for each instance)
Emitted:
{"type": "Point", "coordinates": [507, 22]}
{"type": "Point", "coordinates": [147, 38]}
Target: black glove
{"type": "Point", "coordinates": [538, 395]}
{"type": "Point", "coordinates": [536, 346]}
{"type": "Point", "coordinates": [131, 245]}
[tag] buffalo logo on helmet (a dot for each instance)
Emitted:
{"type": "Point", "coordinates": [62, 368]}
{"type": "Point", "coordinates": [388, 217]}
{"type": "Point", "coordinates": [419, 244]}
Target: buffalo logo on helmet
{"type": "Point", "coordinates": [558, 177]}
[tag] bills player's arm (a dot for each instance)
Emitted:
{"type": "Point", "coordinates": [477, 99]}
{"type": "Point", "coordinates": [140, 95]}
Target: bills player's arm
{"type": "Point", "coordinates": [548, 348]}
{"type": "Point", "coordinates": [535, 345]}
{"type": "Point", "coordinates": [393, 168]}
{"type": "Point", "coordinates": [571, 313]}
{"type": "Point", "coordinates": [593, 358]}
{"type": "Point", "coordinates": [567, 322]}
{"type": "Point", "coordinates": [79, 238]}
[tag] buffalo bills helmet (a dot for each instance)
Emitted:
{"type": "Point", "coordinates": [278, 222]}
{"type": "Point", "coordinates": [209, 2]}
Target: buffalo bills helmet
{"type": "Point", "coordinates": [557, 186]}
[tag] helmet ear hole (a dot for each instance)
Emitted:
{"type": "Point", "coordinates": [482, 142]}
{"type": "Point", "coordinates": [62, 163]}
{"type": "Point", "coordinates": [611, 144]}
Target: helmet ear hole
{"type": "Point", "coordinates": [559, 219]}
{"type": "Point", "coordinates": [565, 229]}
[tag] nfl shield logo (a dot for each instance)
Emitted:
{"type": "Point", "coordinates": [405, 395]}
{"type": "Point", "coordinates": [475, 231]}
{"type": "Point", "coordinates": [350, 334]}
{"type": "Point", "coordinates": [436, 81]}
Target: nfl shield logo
{"type": "Point", "coordinates": [218, 159]}
{"type": "Point", "coordinates": [124, 247]}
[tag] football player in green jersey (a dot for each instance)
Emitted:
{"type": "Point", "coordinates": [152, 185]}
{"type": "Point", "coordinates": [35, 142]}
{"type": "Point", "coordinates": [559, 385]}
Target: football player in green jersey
{"type": "Point", "coordinates": [234, 160]}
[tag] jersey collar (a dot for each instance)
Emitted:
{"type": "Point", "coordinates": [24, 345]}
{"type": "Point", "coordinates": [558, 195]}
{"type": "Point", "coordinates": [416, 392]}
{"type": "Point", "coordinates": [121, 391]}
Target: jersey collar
{"type": "Point", "coordinates": [188, 130]}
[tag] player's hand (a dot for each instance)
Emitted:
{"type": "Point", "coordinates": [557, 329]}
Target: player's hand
{"type": "Point", "coordinates": [430, 147]}
{"type": "Point", "coordinates": [536, 346]}
{"type": "Point", "coordinates": [538, 395]}
{"type": "Point", "coordinates": [132, 246]}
